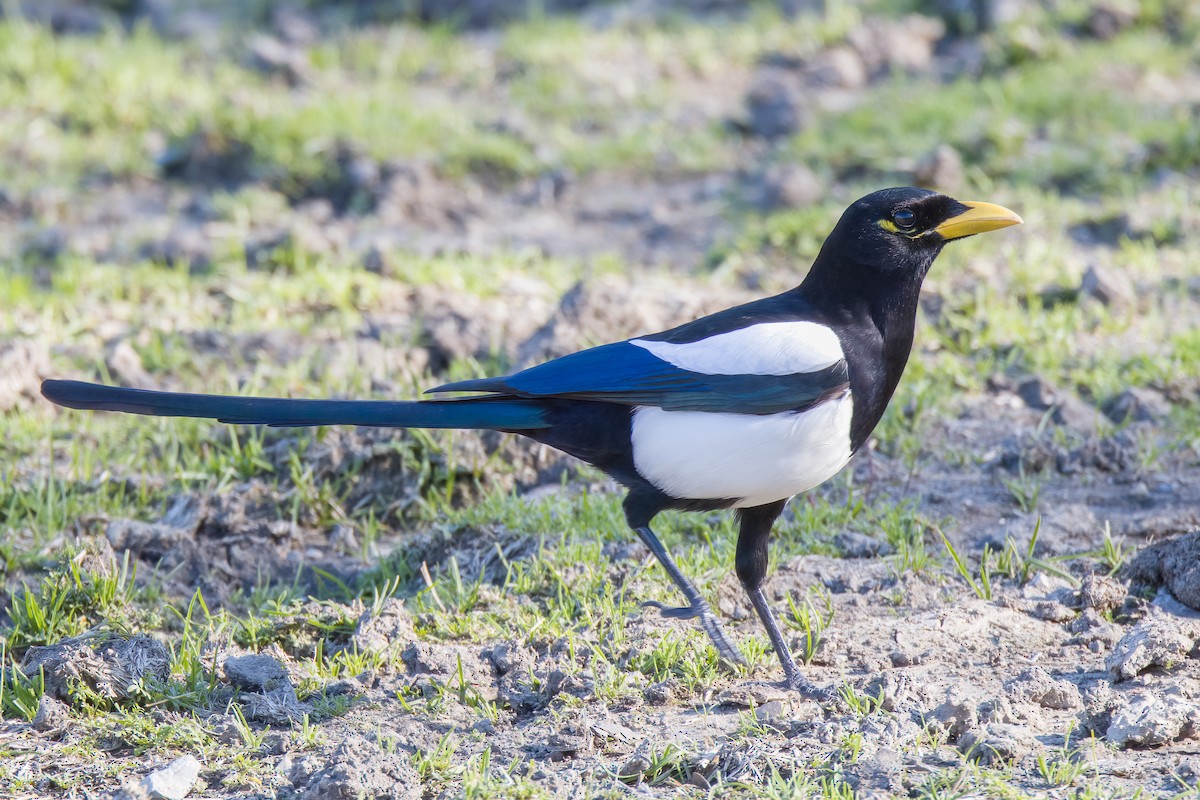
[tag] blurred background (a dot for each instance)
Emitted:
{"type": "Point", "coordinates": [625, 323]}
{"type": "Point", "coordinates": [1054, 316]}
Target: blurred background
{"type": "Point", "coordinates": [704, 137]}
{"type": "Point", "coordinates": [362, 199]}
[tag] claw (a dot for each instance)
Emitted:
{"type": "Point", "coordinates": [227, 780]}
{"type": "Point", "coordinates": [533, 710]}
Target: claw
{"type": "Point", "coordinates": [798, 683]}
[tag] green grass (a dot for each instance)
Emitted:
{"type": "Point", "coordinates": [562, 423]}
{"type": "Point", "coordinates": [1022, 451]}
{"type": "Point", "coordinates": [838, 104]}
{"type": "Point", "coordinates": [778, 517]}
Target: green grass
{"type": "Point", "coordinates": [1053, 122]}
{"type": "Point", "coordinates": [119, 105]}
{"type": "Point", "coordinates": [112, 105]}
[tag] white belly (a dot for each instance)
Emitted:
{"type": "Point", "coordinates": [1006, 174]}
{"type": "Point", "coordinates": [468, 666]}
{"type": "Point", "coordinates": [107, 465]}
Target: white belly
{"type": "Point", "coordinates": [754, 459]}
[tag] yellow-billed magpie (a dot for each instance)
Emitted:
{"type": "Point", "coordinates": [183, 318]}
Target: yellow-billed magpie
{"type": "Point", "coordinates": [741, 409]}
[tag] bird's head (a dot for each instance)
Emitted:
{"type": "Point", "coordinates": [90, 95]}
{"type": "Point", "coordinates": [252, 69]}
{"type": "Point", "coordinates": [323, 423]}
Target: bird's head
{"type": "Point", "coordinates": [899, 232]}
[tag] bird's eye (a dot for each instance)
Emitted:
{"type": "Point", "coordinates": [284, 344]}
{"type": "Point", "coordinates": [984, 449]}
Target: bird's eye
{"type": "Point", "coordinates": [904, 219]}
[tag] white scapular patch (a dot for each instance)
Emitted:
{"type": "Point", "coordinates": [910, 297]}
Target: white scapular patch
{"type": "Point", "coordinates": [768, 348]}
{"type": "Point", "coordinates": [755, 459]}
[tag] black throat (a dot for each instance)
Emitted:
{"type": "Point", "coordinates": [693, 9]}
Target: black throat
{"type": "Point", "coordinates": [874, 313]}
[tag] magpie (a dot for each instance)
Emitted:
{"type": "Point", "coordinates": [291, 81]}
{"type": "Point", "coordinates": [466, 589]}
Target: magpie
{"type": "Point", "coordinates": [742, 409]}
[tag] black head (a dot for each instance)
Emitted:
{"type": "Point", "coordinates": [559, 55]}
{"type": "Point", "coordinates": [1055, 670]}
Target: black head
{"type": "Point", "coordinates": [899, 232]}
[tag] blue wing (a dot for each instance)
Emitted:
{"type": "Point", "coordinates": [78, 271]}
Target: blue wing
{"type": "Point", "coordinates": [630, 375]}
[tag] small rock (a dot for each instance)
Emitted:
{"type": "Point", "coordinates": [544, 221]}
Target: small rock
{"type": "Point", "coordinates": [185, 244]}
{"type": "Point", "coordinates": [770, 711]}
{"type": "Point", "coordinates": [273, 744]}
{"type": "Point", "coordinates": [1109, 18]}
{"type": "Point", "coordinates": [997, 743]}
{"type": "Point", "coordinates": [1038, 686]}
{"type": "Point", "coordinates": [45, 246]}
{"type": "Point", "coordinates": [1138, 404]}
{"type": "Point", "coordinates": [23, 365]}
{"type": "Point", "coordinates": [1100, 702]}
{"type": "Point", "coordinates": [942, 168]}
{"type": "Point", "coordinates": [1071, 412]}
{"type": "Point", "coordinates": [636, 764]}
{"type": "Point", "coordinates": [838, 67]}
{"type": "Point", "coordinates": [907, 658]}
{"type": "Point", "coordinates": [144, 538]}
{"type": "Point", "coordinates": [51, 714]}
{"type": "Point", "coordinates": [1107, 231]}
{"type": "Point", "coordinates": [1149, 719]}
{"type": "Point", "coordinates": [293, 25]}
{"type": "Point", "coordinates": [790, 186]}
{"type": "Point", "coordinates": [1050, 612]}
{"type": "Point", "coordinates": [1101, 593]}
{"type": "Point", "coordinates": [855, 544]}
{"type": "Point", "coordinates": [108, 665]}
{"type": "Point", "coordinates": [1189, 771]}
{"type": "Point", "coordinates": [1089, 627]}
{"type": "Point", "coordinates": [1156, 642]}
{"type": "Point", "coordinates": [1065, 408]}
{"type": "Point", "coordinates": [172, 782]}
{"type": "Point", "coordinates": [903, 45]}
{"type": "Point", "coordinates": [1048, 588]}
{"type": "Point", "coordinates": [256, 672]}
{"type": "Point", "coordinates": [377, 261]}
{"type": "Point", "coordinates": [1174, 563]}
{"type": "Point", "coordinates": [124, 363]}
{"type": "Point", "coordinates": [1037, 394]}
{"type": "Point", "coordinates": [425, 658]}
{"type": "Point", "coordinates": [389, 629]}
{"type": "Point", "coordinates": [505, 657]}
{"type": "Point", "coordinates": [660, 693]}
{"type": "Point", "coordinates": [776, 105]}
{"type": "Point", "coordinates": [957, 714]}
{"type": "Point", "coordinates": [278, 706]}
{"type": "Point", "coordinates": [349, 687]}
{"type": "Point", "coordinates": [358, 768]}
{"type": "Point", "coordinates": [568, 742]}
{"type": "Point", "coordinates": [1109, 287]}
{"type": "Point", "coordinates": [274, 57]}
{"type": "Point", "coordinates": [208, 157]}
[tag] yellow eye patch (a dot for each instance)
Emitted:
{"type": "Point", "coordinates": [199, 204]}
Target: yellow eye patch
{"type": "Point", "coordinates": [888, 225]}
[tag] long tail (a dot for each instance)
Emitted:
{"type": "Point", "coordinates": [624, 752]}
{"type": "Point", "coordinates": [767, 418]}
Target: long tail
{"type": "Point", "coordinates": [491, 412]}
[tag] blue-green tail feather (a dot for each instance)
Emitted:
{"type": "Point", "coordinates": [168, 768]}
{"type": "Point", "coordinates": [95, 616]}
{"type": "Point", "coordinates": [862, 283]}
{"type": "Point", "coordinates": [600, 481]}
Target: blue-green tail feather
{"type": "Point", "coordinates": [492, 412]}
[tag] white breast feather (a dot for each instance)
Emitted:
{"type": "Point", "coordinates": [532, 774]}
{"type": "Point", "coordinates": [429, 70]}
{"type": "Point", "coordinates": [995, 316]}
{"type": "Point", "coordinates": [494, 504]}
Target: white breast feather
{"type": "Point", "coordinates": [754, 458]}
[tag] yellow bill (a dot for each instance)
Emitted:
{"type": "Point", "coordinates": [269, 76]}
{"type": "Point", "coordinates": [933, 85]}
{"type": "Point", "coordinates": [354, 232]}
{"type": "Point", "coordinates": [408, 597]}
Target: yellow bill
{"type": "Point", "coordinates": [978, 218]}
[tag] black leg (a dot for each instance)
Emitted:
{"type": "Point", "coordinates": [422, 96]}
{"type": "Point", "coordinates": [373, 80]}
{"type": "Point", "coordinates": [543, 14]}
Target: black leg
{"type": "Point", "coordinates": [697, 607]}
{"type": "Point", "coordinates": [640, 508]}
{"type": "Point", "coordinates": [751, 566]}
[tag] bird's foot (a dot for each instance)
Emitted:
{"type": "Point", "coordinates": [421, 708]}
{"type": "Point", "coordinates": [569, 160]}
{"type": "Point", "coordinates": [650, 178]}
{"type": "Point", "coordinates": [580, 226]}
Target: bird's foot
{"type": "Point", "coordinates": [798, 683]}
{"type": "Point", "coordinates": [682, 612]}
{"type": "Point", "coordinates": [708, 621]}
